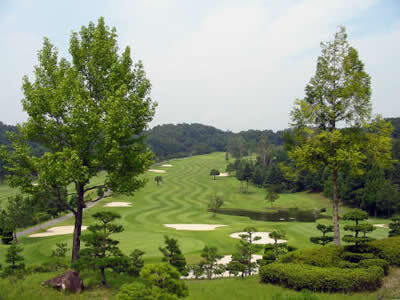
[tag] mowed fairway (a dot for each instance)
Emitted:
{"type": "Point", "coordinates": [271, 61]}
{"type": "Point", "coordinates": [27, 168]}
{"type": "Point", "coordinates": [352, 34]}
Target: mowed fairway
{"type": "Point", "coordinates": [182, 197]}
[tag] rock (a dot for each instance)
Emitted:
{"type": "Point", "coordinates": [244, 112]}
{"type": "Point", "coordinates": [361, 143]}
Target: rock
{"type": "Point", "coordinates": [69, 281]}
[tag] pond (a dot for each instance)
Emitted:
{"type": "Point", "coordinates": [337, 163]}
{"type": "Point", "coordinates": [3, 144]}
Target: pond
{"type": "Point", "coordinates": [279, 215]}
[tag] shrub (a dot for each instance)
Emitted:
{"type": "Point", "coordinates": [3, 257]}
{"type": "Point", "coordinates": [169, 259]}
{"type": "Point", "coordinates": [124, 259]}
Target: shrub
{"type": "Point", "coordinates": [139, 291]}
{"type": "Point", "coordinates": [357, 257]}
{"type": "Point", "coordinates": [298, 276]}
{"type": "Point", "coordinates": [365, 263]}
{"type": "Point", "coordinates": [328, 256]}
{"type": "Point", "coordinates": [387, 249]}
{"type": "Point", "coordinates": [166, 278]}
{"type": "Point", "coordinates": [347, 265]}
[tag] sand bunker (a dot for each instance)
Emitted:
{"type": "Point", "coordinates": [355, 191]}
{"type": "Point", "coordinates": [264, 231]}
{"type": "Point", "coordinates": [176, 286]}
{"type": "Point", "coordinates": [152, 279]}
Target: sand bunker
{"type": "Point", "coordinates": [381, 225]}
{"type": "Point", "coordinates": [265, 239]}
{"type": "Point", "coordinates": [223, 174]}
{"type": "Point", "coordinates": [227, 259]}
{"type": "Point", "coordinates": [59, 230]}
{"type": "Point", "coordinates": [193, 227]}
{"type": "Point", "coordinates": [224, 261]}
{"type": "Point", "coordinates": [157, 171]}
{"type": "Point", "coordinates": [118, 204]}
{"type": "Point", "coordinates": [166, 165]}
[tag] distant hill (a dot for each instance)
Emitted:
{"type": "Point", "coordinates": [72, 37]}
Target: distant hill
{"type": "Point", "coordinates": [180, 140]}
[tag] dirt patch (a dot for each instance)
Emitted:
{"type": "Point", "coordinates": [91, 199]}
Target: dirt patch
{"type": "Point", "coordinates": [265, 239]}
{"type": "Point", "coordinates": [193, 227]}
{"type": "Point", "coordinates": [59, 230]}
{"type": "Point", "coordinates": [118, 204]}
{"type": "Point", "coordinates": [157, 171]}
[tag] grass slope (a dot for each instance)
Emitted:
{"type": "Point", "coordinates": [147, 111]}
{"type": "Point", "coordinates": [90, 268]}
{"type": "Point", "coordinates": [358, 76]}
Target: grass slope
{"type": "Point", "coordinates": [183, 198]}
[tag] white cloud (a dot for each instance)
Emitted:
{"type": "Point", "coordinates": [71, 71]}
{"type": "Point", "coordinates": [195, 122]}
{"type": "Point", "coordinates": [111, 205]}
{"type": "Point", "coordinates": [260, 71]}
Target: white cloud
{"type": "Point", "coordinates": [232, 64]}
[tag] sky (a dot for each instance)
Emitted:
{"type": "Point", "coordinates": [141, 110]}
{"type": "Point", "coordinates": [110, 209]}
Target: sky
{"type": "Point", "coordinates": [235, 65]}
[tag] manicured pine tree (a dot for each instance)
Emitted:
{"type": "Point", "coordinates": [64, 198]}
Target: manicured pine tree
{"type": "Point", "coordinates": [173, 254]}
{"type": "Point", "coordinates": [324, 239]}
{"type": "Point", "coordinates": [214, 172]}
{"type": "Point", "coordinates": [101, 251]}
{"type": "Point", "coordinates": [357, 215]}
{"type": "Point", "coordinates": [136, 262]}
{"type": "Point", "coordinates": [394, 226]}
{"type": "Point", "coordinates": [158, 179]}
{"type": "Point", "coordinates": [14, 259]}
{"type": "Point", "coordinates": [210, 257]}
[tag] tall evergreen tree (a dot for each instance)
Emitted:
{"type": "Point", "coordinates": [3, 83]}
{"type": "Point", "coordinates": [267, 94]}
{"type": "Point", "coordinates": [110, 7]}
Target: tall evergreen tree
{"type": "Point", "coordinates": [338, 93]}
{"type": "Point", "coordinates": [173, 255]}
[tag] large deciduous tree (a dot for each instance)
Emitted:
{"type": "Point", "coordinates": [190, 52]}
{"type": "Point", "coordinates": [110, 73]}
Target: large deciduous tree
{"type": "Point", "coordinates": [338, 96]}
{"type": "Point", "coordinates": [90, 114]}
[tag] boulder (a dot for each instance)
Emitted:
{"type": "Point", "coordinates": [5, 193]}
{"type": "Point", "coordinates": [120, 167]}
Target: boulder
{"type": "Point", "coordinates": [69, 281]}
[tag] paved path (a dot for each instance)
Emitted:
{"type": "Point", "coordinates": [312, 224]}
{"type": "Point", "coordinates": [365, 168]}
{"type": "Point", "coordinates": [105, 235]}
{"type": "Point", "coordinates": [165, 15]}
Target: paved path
{"type": "Point", "coordinates": [57, 220]}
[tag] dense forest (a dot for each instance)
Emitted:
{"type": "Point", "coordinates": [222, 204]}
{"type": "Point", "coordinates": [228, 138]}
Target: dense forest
{"type": "Point", "coordinates": [376, 191]}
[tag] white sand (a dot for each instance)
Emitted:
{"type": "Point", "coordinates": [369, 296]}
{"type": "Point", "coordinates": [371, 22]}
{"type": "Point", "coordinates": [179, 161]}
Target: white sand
{"type": "Point", "coordinates": [193, 227]}
{"type": "Point", "coordinates": [223, 174]}
{"type": "Point", "coordinates": [166, 165]}
{"type": "Point", "coordinates": [118, 204]}
{"type": "Point", "coordinates": [224, 261]}
{"type": "Point", "coordinates": [265, 239]}
{"type": "Point", "coordinates": [157, 171]}
{"type": "Point", "coordinates": [59, 230]}
{"type": "Point", "coordinates": [381, 225]}
{"type": "Point", "coordinates": [227, 259]}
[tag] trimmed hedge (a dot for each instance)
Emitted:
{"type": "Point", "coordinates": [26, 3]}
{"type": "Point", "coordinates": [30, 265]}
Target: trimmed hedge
{"type": "Point", "coordinates": [327, 256]}
{"type": "Point", "coordinates": [365, 263]}
{"type": "Point", "coordinates": [299, 276]}
{"type": "Point", "coordinates": [357, 257]}
{"type": "Point", "coordinates": [387, 249]}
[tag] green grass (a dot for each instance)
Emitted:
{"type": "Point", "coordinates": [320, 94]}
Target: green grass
{"type": "Point", "coordinates": [183, 198]}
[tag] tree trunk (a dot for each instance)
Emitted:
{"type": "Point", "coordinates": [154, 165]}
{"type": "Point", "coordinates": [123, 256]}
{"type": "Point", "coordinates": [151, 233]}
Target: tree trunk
{"type": "Point", "coordinates": [335, 210]}
{"type": "Point", "coordinates": [103, 277]}
{"type": "Point", "coordinates": [76, 240]}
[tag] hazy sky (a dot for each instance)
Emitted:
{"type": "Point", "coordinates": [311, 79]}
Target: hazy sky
{"type": "Point", "coordinates": [232, 64]}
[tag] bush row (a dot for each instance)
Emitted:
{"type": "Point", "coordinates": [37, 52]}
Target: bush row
{"type": "Point", "coordinates": [328, 279]}
{"type": "Point", "coordinates": [387, 249]}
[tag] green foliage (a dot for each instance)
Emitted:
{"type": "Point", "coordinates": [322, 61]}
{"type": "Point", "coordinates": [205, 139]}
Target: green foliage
{"type": "Point", "coordinates": [357, 215]}
{"type": "Point", "coordinates": [136, 262]}
{"type": "Point", "coordinates": [328, 256]}
{"type": "Point", "coordinates": [14, 259]}
{"type": "Point", "coordinates": [271, 196]}
{"type": "Point", "coordinates": [394, 226]}
{"type": "Point", "coordinates": [242, 257]}
{"type": "Point", "coordinates": [140, 291]}
{"type": "Point", "coordinates": [355, 257]}
{"type": "Point", "coordinates": [314, 278]}
{"type": "Point", "coordinates": [215, 203]}
{"type": "Point", "coordinates": [340, 91]}
{"type": "Point", "coordinates": [89, 113]}
{"type": "Point", "coordinates": [100, 192]}
{"type": "Point", "coordinates": [387, 249]}
{"type": "Point", "coordinates": [173, 255]}
{"type": "Point", "coordinates": [324, 239]}
{"type": "Point", "coordinates": [165, 277]}
{"type": "Point", "coordinates": [210, 257]}
{"type": "Point", "coordinates": [101, 251]}
{"type": "Point", "coordinates": [158, 179]}
{"type": "Point", "coordinates": [61, 250]}
{"type": "Point", "coordinates": [366, 263]}
{"type": "Point", "coordinates": [214, 172]}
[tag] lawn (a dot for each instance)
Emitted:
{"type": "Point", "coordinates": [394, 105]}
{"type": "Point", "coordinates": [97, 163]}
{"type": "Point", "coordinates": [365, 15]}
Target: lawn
{"type": "Point", "coordinates": [183, 198]}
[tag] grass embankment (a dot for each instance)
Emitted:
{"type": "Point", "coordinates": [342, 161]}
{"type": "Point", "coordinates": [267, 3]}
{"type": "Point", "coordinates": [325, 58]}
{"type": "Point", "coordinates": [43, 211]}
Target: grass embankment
{"type": "Point", "coordinates": [183, 198]}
